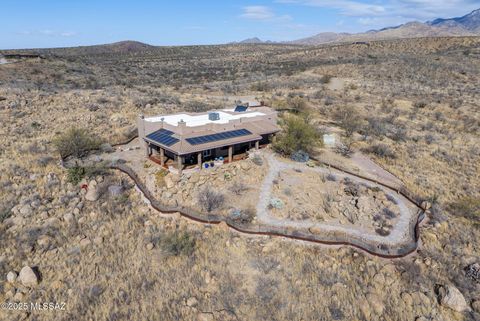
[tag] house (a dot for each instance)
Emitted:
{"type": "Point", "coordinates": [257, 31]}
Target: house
{"type": "Point", "coordinates": [190, 139]}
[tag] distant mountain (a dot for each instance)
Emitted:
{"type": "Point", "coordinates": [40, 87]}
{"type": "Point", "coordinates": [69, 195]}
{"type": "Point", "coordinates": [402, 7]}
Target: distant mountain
{"type": "Point", "coordinates": [251, 40]}
{"type": "Point", "coordinates": [470, 22]}
{"type": "Point", "coordinates": [122, 47]}
{"type": "Point", "coordinates": [468, 25]}
{"type": "Point", "coordinates": [254, 40]}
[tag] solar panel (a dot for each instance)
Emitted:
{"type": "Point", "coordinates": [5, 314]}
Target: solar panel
{"type": "Point", "coordinates": [163, 136]}
{"type": "Point", "coordinates": [240, 109]}
{"type": "Point", "coordinates": [216, 137]}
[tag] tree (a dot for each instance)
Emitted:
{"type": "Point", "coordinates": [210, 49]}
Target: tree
{"type": "Point", "coordinates": [298, 134]}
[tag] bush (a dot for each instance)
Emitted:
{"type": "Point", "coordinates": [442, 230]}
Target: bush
{"type": "Point", "coordinates": [176, 244]}
{"type": "Point", "coordinates": [297, 103]}
{"type": "Point", "coordinates": [257, 160]}
{"type": "Point", "coordinates": [381, 150]}
{"type": "Point", "coordinates": [4, 214]}
{"type": "Point", "coordinates": [76, 142]}
{"type": "Point", "coordinates": [244, 216]}
{"type": "Point", "coordinates": [238, 188]}
{"type": "Point", "coordinates": [210, 200]}
{"type": "Point", "coordinates": [76, 174]}
{"type": "Point", "coordinates": [468, 207]}
{"type": "Point", "coordinates": [298, 134]}
{"type": "Point", "coordinates": [348, 119]}
{"type": "Point", "coordinates": [420, 104]}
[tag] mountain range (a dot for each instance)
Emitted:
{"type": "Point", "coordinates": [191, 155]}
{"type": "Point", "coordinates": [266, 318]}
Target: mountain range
{"type": "Point", "coordinates": [468, 25]}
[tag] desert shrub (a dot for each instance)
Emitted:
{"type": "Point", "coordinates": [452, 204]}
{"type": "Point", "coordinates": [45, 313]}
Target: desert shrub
{"type": "Point", "coordinates": [260, 86]}
{"type": "Point", "coordinates": [420, 104]}
{"type": "Point", "coordinates": [257, 160]}
{"type": "Point", "coordinates": [398, 133]}
{"type": "Point", "coordinates": [468, 207]}
{"type": "Point", "coordinates": [329, 101]}
{"type": "Point", "coordinates": [344, 149]}
{"type": "Point", "coordinates": [297, 134]}
{"type": "Point", "coordinates": [75, 174]}
{"type": "Point", "coordinates": [76, 142]}
{"type": "Point", "coordinates": [210, 200]}
{"type": "Point", "coordinates": [389, 213]}
{"type": "Point", "coordinates": [44, 160]}
{"type": "Point", "coordinates": [331, 177]}
{"type": "Point", "coordinates": [326, 79]}
{"type": "Point", "coordinates": [197, 106]}
{"type": "Point", "coordinates": [381, 150]}
{"type": "Point", "coordinates": [238, 188]}
{"type": "Point", "coordinates": [243, 216]}
{"type": "Point", "coordinates": [5, 212]}
{"type": "Point", "coordinates": [297, 103]}
{"type": "Point", "coordinates": [176, 244]}
{"type": "Point", "coordinates": [348, 118]}
{"type": "Point", "coordinates": [160, 177]}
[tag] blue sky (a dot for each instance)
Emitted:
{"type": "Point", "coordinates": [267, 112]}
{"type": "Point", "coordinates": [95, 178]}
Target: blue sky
{"type": "Point", "coordinates": [58, 23]}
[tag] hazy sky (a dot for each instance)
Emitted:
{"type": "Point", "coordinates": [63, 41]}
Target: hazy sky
{"type": "Point", "coordinates": [55, 23]}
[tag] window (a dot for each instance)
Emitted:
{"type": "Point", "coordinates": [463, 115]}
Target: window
{"type": "Point", "coordinates": [207, 153]}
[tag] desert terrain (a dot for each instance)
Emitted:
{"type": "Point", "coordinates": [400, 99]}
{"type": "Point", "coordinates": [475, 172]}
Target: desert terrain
{"type": "Point", "coordinates": [411, 106]}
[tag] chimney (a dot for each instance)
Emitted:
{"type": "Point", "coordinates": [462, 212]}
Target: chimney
{"type": "Point", "coordinates": [182, 125]}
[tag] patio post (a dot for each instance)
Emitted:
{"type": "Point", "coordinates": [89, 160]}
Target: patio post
{"type": "Point", "coordinates": [257, 144]}
{"type": "Point", "coordinates": [180, 164]}
{"type": "Point", "coordinates": [230, 154]}
{"type": "Point", "coordinates": [199, 160]}
{"type": "Point", "coordinates": [162, 156]}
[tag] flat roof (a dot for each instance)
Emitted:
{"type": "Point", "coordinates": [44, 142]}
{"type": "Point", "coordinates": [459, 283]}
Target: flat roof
{"type": "Point", "coordinates": [194, 120]}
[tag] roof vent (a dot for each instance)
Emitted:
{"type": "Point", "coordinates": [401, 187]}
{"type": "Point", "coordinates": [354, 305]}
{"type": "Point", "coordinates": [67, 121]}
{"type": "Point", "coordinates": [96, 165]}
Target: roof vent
{"type": "Point", "coordinates": [213, 116]}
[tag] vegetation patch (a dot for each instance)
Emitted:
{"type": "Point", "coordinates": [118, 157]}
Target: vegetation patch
{"type": "Point", "coordinates": [177, 243]}
{"type": "Point", "coordinates": [76, 142]}
{"type": "Point", "coordinates": [298, 134]}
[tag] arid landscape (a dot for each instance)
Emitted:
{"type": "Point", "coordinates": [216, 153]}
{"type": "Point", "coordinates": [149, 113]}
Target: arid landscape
{"type": "Point", "coordinates": [404, 111]}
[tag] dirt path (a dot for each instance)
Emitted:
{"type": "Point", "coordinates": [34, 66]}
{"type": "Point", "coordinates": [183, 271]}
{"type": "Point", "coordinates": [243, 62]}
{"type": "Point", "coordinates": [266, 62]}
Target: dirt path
{"type": "Point", "coordinates": [398, 234]}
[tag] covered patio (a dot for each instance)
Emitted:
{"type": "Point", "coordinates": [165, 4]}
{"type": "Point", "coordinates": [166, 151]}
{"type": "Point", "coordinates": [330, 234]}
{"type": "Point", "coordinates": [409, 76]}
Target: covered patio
{"type": "Point", "coordinates": [201, 159]}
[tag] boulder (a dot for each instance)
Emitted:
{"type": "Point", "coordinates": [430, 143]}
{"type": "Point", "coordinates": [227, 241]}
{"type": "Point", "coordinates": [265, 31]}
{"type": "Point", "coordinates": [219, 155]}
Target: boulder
{"type": "Point", "coordinates": [245, 165]}
{"type": "Point", "coordinates": [115, 190]}
{"type": "Point", "coordinates": [191, 302]}
{"type": "Point", "coordinates": [106, 148]}
{"type": "Point", "coordinates": [93, 192]}
{"type": "Point", "coordinates": [26, 210]}
{"type": "Point", "coordinates": [205, 316]}
{"type": "Point", "coordinates": [169, 181]}
{"type": "Point", "coordinates": [11, 277]}
{"type": "Point", "coordinates": [28, 277]}
{"type": "Point", "coordinates": [450, 297]}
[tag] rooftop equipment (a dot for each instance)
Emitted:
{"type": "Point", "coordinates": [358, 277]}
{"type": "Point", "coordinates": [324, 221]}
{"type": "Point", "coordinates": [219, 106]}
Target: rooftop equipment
{"type": "Point", "coordinates": [213, 116]}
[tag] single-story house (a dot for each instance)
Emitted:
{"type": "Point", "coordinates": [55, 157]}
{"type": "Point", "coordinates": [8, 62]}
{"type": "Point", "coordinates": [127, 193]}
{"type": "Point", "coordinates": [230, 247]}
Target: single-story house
{"type": "Point", "coordinates": [193, 138]}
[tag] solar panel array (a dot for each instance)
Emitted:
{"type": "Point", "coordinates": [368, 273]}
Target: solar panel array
{"type": "Point", "coordinates": [163, 136]}
{"type": "Point", "coordinates": [216, 137]}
